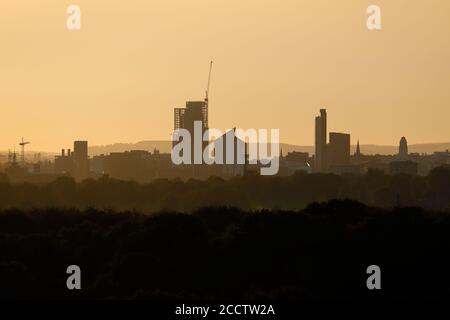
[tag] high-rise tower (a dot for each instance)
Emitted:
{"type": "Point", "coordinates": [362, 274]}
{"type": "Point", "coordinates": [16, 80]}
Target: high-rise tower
{"type": "Point", "coordinates": [321, 163]}
{"type": "Point", "coordinates": [195, 111]}
{"type": "Point", "coordinates": [339, 149]}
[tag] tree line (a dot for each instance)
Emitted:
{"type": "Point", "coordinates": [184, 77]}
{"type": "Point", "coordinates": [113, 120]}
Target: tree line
{"type": "Point", "coordinates": [320, 252]}
{"type": "Point", "coordinates": [249, 192]}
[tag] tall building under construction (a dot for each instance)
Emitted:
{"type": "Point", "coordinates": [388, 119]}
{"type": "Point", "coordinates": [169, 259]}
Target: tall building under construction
{"type": "Point", "coordinates": [184, 118]}
{"type": "Point", "coordinates": [195, 111]}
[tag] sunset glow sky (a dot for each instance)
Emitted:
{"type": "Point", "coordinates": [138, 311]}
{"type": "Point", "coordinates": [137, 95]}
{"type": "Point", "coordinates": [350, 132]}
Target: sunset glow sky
{"type": "Point", "coordinates": [277, 63]}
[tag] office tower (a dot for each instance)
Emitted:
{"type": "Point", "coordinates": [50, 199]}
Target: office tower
{"type": "Point", "coordinates": [403, 149]}
{"type": "Point", "coordinates": [80, 160]}
{"type": "Point", "coordinates": [321, 142]}
{"type": "Point", "coordinates": [339, 149]}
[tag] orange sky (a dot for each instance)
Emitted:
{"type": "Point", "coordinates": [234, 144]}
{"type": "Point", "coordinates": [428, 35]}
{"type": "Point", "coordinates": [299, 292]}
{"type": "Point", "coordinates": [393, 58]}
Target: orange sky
{"type": "Point", "coordinates": [276, 64]}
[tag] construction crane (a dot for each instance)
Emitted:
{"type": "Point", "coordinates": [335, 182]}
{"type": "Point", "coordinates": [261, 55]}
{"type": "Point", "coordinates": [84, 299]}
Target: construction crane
{"type": "Point", "coordinates": [206, 111]}
{"type": "Point", "coordinates": [23, 143]}
{"type": "Point", "coordinates": [209, 81]}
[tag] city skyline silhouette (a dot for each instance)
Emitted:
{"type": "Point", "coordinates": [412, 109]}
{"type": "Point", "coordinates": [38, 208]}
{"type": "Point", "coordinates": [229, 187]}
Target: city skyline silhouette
{"type": "Point", "coordinates": [213, 158]}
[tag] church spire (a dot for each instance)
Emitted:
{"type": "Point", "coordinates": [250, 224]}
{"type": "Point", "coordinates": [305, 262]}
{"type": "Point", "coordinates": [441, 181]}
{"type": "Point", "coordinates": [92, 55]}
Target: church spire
{"type": "Point", "coordinates": [358, 150]}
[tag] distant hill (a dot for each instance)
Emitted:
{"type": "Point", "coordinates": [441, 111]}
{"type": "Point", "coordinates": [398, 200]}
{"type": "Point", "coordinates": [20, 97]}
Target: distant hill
{"type": "Point", "coordinates": [165, 146]}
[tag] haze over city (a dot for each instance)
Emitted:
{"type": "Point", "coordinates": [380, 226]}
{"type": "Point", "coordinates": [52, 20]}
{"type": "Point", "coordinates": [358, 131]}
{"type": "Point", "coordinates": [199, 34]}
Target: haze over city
{"type": "Point", "coordinates": [234, 158]}
{"type": "Point", "coordinates": [276, 63]}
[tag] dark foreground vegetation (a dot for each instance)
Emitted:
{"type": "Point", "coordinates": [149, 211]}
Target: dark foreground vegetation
{"type": "Point", "coordinates": [249, 192]}
{"type": "Point", "coordinates": [319, 252]}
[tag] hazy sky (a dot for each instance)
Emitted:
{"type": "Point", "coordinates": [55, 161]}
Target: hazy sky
{"type": "Point", "coordinates": [276, 64]}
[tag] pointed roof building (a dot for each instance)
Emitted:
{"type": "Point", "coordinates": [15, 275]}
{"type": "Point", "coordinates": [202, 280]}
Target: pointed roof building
{"type": "Point", "coordinates": [358, 150]}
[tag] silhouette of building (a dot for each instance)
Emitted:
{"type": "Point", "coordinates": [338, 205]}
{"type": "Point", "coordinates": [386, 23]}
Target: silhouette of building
{"type": "Point", "coordinates": [81, 160]}
{"type": "Point", "coordinates": [339, 154]}
{"type": "Point", "coordinates": [358, 151]}
{"type": "Point", "coordinates": [403, 167]}
{"type": "Point", "coordinates": [294, 162]}
{"type": "Point", "coordinates": [97, 164]}
{"type": "Point", "coordinates": [321, 159]}
{"type": "Point", "coordinates": [64, 163]}
{"type": "Point", "coordinates": [134, 165]}
{"type": "Point", "coordinates": [137, 165]}
{"type": "Point", "coordinates": [403, 149]}
{"type": "Point", "coordinates": [339, 149]}
{"type": "Point", "coordinates": [128, 165]}
{"type": "Point", "coordinates": [235, 159]}
{"type": "Point", "coordinates": [194, 111]}
{"type": "Point", "coordinates": [185, 118]}
{"type": "Point", "coordinates": [296, 156]}
{"type": "Point", "coordinates": [74, 163]}
{"type": "Point", "coordinates": [358, 158]}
